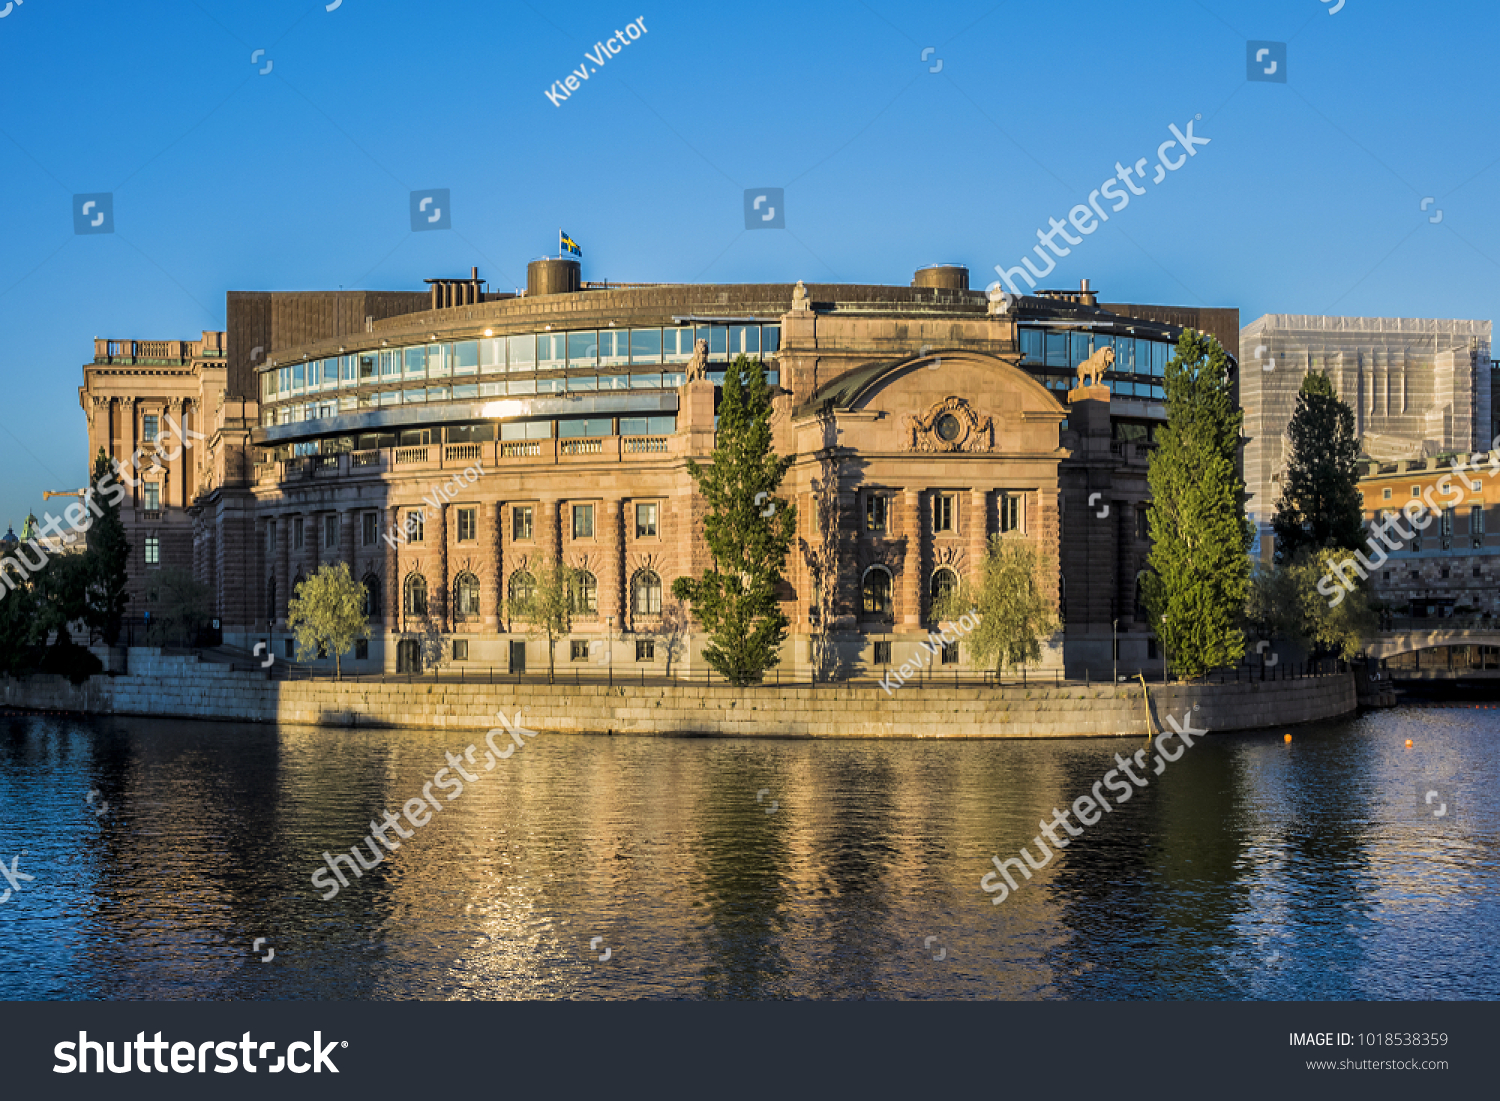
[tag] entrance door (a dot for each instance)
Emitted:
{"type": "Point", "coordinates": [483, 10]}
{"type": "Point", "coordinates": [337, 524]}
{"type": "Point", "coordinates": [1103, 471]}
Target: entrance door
{"type": "Point", "coordinates": [408, 656]}
{"type": "Point", "coordinates": [518, 657]}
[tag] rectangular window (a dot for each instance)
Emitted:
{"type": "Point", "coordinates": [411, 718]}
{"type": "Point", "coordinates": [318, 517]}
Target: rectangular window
{"type": "Point", "coordinates": [149, 427]}
{"type": "Point", "coordinates": [876, 513]}
{"type": "Point", "coordinates": [361, 649]}
{"type": "Point", "coordinates": [578, 650]}
{"type": "Point", "coordinates": [348, 368]}
{"type": "Point", "coordinates": [1010, 512]}
{"type": "Point", "coordinates": [466, 357]}
{"type": "Point", "coordinates": [645, 345]}
{"type": "Point", "coordinates": [942, 513]}
{"type": "Point", "coordinates": [614, 346]}
{"type": "Point", "coordinates": [645, 650]}
{"type": "Point", "coordinates": [467, 524]}
{"type": "Point", "coordinates": [882, 653]}
{"type": "Point", "coordinates": [770, 339]}
{"type": "Point", "coordinates": [1447, 524]}
{"type": "Point", "coordinates": [583, 521]}
{"type": "Point", "coordinates": [439, 360]}
{"type": "Point", "coordinates": [572, 428]}
{"type": "Point", "coordinates": [1031, 345]}
{"type": "Point", "coordinates": [460, 649]}
{"type": "Point", "coordinates": [522, 352]}
{"type": "Point", "coordinates": [645, 520]}
{"type": "Point", "coordinates": [297, 533]}
{"type": "Point", "coordinates": [950, 653]}
{"type": "Point", "coordinates": [368, 529]}
{"type": "Point", "coordinates": [492, 355]}
{"type": "Point", "coordinates": [287, 645]}
{"type": "Point", "coordinates": [1476, 525]}
{"type": "Point", "coordinates": [414, 526]}
{"type": "Point", "coordinates": [583, 349]}
{"type": "Point", "coordinates": [520, 523]}
{"type": "Point", "coordinates": [153, 496]}
{"type": "Point", "coordinates": [1142, 523]}
{"type": "Point", "coordinates": [1385, 494]}
{"type": "Point", "coordinates": [551, 351]}
{"type": "Point", "coordinates": [153, 550]}
{"type": "Point", "coordinates": [331, 530]}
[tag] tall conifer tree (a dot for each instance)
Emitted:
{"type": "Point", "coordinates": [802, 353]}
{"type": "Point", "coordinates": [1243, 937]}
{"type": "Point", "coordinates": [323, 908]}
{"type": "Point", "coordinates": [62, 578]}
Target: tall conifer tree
{"type": "Point", "coordinates": [1199, 571]}
{"type": "Point", "coordinates": [748, 531]}
{"type": "Point", "coordinates": [108, 552]}
{"type": "Point", "coordinates": [1320, 502]}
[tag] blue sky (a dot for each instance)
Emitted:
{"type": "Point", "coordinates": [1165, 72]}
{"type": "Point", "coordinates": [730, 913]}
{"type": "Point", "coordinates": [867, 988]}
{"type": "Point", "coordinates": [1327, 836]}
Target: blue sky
{"type": "Point", "coordinates": [1308, 198]}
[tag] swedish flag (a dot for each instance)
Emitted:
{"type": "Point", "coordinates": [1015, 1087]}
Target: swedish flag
{"type": "Point", "coordinates": [568, 245]}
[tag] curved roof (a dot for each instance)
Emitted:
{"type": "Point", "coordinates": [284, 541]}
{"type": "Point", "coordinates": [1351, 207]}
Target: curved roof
{"type": "Point", "coordinates": [848, 389]}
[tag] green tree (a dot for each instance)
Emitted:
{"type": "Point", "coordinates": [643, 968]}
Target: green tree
{"type": "Point", "coordinates": [748, 531]}
{"type": "Point", "coordinates": [1320, 501]}
{"type": "Point", "coordinates": [183, 603]}
{"type": "Point", "coordinates": [60, 589]}
{"type": "Point", "coordinates": [109, 553]}
{"type": "Point", "coordinates": [1287, 602]}
{"type": "Point", "coordinates": [1009, 598]}
{"type": "Point", "coordinates": [18, 623]}
{"type": "Point", "coordinates": [327, 613]}
{"type": "Point", "coordinates": [1199, 569]}
{"type": "Point", "coordinates": [546, 606]}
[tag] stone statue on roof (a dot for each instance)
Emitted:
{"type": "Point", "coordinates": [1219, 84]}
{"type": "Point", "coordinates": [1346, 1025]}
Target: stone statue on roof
{"type": "Point", "coordinates": [1001, 300]}
{"type": "Point", "coordinates": [697, 367]}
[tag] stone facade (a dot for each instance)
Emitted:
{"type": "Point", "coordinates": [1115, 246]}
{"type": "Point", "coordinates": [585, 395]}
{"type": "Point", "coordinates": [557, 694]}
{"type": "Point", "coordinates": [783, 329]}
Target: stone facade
{"type": "Point", "coordinates": [914, 411]}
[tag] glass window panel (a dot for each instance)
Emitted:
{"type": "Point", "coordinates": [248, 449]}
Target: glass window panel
{"type": "Point", "coordinates": [670, 379]}
{"type": "Point", "coordinates": [492, 354]}
{"type": "Point", "coordinates": [368, 401]}
{"type": "Point", "coordinates": [521, 352]}
{"type": "Point", "coordinates": [1057, 350]}
{"type": "Point", "coordinates": [439, 360]}
{"type": "Point", "coordinates": [577, 383]}
{"type": "Point", "coordinates": [416, 362]}
{"type": "Point", "coordinates": [773, 377]}
{"type": "Point", "coordinates": [1031, 344]}
{"type": "Point", "coordinates": [367, 366]}
{"type": "Point", "coordinates": [549, 385]}
{"type": "Point", "coordinates": [614, 382]}
{"type": "Point", "coordinates": [716, 377]}
{"type": "Point", "coordinates": [770, 339]}
{"type": "Point", "coordinates": [390, 397]}
{"type": "Point", "coordinates": [491, 389]}
{"type": "Point", "coordinates": [390, 362]}
{"type": "Point", "coordinates": [661, 426]}
{"type": "Point", "coordinates": [538, 430]}
{"type": "Point", "coordinates": [645, 345]}
{"type": "Point", "coordinates": [437, 393]}
{"type": "Point", "coordinates": [299, 375]}
{"type": "Point", "coordinates": [583, 348]}
{"type": "Point", "coordinates": [635, 426]}
{"type": "Point", "coordinates": [614, 346]}
{"type": "Point", "coordinates": [1082, 347]}
{"type": "Point", "coordinates": [268, 385]}
{"type": "Point", "coordinates": [522, 386]}
{"type": "Point", "coordinates": [677, 344]}
{"type": "Point", "coordinates": [466, 357]}
{"type": "Point", "coordinates": [550, 351]}
{"type": "Point", "coordinates": [467, 390]}
{"type": "Point", "coordinates": [412, 397]}
{"type": "Point", "coordinates": [645, 382]}
{"type": "Point", "coordinates": [348, 369]}
{"type": "Point", "coordinates": [718, 341]}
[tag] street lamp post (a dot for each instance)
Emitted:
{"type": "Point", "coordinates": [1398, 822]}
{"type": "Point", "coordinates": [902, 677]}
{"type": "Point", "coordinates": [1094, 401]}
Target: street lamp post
{"type": "Point", "coordinates": [1166, 659]}
{"type": "Point", "coordinates": [1115, 646]}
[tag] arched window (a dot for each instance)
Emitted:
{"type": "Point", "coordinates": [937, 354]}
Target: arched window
{"type": "Point", "coordinates": [416, 595]}
{"type": "Point", "coordinates": [522, 587]}
{"type": "Point", "coordinates": [645, 594]}
{"type": "Point", "coordinates": [944, 581]}
{"type": "Point", "coordinates": [271, 608]}
{"type": "Point", "coordinates": [372, 596]}
{"type": "Point", "coordinates": [585, 593]}
{"type": "Point", "coordinates": [466, 595]}
{"type": "Point", "coordinates": [877, 592]}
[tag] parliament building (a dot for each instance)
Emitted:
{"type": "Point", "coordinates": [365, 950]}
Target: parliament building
{"type": "Point", "coordinates": [443, 443]}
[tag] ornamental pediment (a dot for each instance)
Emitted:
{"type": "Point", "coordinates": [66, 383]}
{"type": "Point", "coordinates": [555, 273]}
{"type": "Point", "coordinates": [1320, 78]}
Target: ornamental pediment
{"type": "Point", "coordinates": [950, 425]}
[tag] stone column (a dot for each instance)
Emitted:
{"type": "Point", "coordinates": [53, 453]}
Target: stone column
{"type": "Point", "coordinates": [910, 587]}
{"type": "Point", "coordinates": [442, 594]}
{"type": "Point", "coordinates": [389, 518]}
{"type": "Point", "coordinates": [312, 535]}
{"type": "Point", "coordinates": [494, 514]}
{"type": "Point", "coordinates": [131, 470]}
{"type": "Point", "coordinates": [979, 528]}
{"type": "Point", "coordinates": [283, 567]}
{"type": "Point", "coordinates": [549, 538]}
{"type": "Point", "coordinates": [612, 595]}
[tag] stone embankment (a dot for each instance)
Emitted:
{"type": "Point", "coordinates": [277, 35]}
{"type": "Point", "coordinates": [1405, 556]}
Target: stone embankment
{"type": "Point", "coordinates": [182, 687]}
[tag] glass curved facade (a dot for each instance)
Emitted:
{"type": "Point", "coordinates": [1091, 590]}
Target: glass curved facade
{"type": "Point", "coordinates": [1053, 355]}
{"type": "Point", "coordinates": [576, 361]}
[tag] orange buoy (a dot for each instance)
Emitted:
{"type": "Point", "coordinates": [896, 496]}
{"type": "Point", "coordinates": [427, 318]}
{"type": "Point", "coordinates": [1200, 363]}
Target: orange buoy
{"type": "Point", "coordinates": [1288, 738]}
{"type": "Point", "coordinates": [1408, 743]}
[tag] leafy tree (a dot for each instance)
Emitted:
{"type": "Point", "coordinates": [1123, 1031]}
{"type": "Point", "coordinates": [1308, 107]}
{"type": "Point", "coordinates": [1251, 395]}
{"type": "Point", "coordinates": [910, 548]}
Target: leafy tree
{"type": "Point", "coordinates": [327, 613]}
{"type": "Point", "coordinates": [736, 598]}
{"type": "Point", "coordinates": [60, 589]}
{"type": "Point", "coordinates": [109, 554]}
{"type": "Point", "coordinates": [1199, 575]}
{"type": "Point", "coordinates": [825, 565]}
{"type": "Point", "coordinates": [18, 626]}
{"type": "Point", "coordinates": [1015, 615]}
{"type": "Point", "coordinates": [183, 603]}
{"type": "Point", "coordinates": [547, 608]}
{"type": "Point", "coordinates": [1320, 502]}
{"type": "Point", "coordinates": [1285, 602]}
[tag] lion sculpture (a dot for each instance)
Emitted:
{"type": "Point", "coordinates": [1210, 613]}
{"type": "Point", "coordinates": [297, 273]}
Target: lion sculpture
{"type": "Point", "coordinates": [1091, 371]}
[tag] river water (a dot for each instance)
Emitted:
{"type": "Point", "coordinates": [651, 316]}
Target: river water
{"type": "Point", "coordinates": [162, 851]}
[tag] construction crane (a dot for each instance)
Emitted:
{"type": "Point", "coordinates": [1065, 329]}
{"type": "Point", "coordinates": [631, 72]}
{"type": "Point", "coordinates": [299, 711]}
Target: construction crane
{"type": "Point", "coordinates": [48, 494]}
